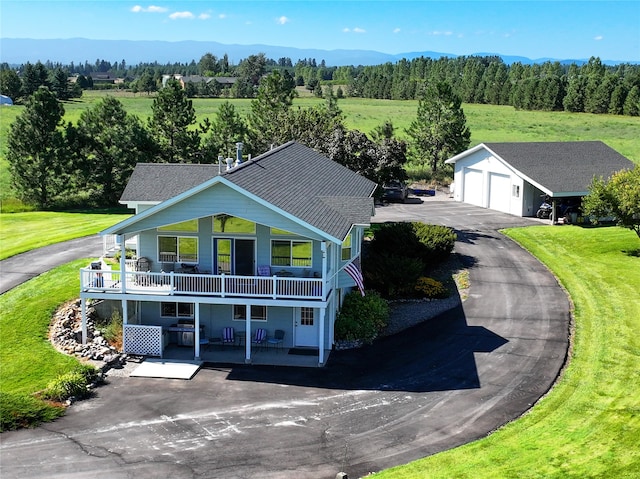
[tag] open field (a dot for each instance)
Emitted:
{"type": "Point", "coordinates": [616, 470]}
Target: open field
{"type": "Point", "coordinates": [486, 122]}
{"type": "Point", "coordinates": [587, 426]}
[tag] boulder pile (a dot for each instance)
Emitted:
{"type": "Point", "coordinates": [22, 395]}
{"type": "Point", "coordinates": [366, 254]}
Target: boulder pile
{"type": "Point", "coordinates": [65, 333]}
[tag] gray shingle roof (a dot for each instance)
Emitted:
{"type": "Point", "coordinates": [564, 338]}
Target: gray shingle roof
{"type": "Point", "coordinates": [292, 177]}
{"type": "Point", "coordinates": [156, 182]}
{"type": "Point", "coordinates": [562, 167]}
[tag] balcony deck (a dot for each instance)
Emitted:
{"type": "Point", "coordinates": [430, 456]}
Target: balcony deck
{"type": "Point", "coordinates": [217, 285]}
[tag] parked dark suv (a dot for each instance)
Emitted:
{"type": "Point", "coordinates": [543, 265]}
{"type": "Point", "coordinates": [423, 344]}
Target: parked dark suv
{"type": "Point", "coordinates": [395, 191]}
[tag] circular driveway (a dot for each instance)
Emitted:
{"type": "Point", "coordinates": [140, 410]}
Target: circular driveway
{"type": "Point", "coordinates": [443, 383]}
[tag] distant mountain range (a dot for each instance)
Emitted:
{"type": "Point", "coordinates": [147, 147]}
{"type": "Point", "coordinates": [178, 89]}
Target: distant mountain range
{"type": "Point", "coordinates": [16, 51]}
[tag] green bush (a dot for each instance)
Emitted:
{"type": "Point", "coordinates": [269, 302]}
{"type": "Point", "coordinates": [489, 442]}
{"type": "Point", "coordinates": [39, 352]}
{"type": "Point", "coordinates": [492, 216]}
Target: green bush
{"type": "Point", "coordinates": [391, 275]}
{"type": "Point", "coordinates": [20, 410]}
{"type": "Point", "coordinates": [438, 242]}
{"type": "Point", "coordinates": [430, 288]}
{"type": "Point", "coordinates": [72, 384]}
{"type": "Point", "coordinates": [400, 253]}
{"type": "Point", "coordinates": [362, 317]}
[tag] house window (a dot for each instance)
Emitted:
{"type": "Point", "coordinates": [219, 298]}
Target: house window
{"type": "Point", "coordinates": [258, 313]}
{"type": "Point", "coordinates": [182, 249]}
{"type": "Point", "coordinates": [515, 191]}
{"type": "Point", "coordinates": [190, 226]}
{"type": "Point", "coordinates": [346, 249]}
{"type": "Point", "coordinates": [232, 224]}
{"type": "Point", "coordinates": [291, 253]}
{"type": "Point", "coordinates": [176, 310]}
{"type": "Point", "coordinates": [306, 316]}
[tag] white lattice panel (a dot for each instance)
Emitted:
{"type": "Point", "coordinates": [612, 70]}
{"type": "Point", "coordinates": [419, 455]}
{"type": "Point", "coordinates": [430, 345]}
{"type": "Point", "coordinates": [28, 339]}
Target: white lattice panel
{"type": "Point", "coordinates": [142, 340]}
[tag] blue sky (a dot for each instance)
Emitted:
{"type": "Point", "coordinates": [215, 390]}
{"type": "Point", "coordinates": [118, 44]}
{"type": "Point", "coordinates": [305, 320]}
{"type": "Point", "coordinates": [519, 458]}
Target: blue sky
{"type": "Point", "coordinates": [555, 29]}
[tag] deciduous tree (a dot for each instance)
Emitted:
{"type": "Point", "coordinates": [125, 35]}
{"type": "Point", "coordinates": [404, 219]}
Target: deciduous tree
{"type": "Point", "coordinates": [618, 197]}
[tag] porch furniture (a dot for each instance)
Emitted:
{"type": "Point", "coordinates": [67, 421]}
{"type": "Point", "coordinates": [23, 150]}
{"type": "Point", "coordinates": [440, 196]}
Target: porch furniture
{"type": "Point", "coordinates": [228, 336]}
{"type": "Point", "coordinates": [277, 341]}
{"type": "Point", "coordinates": [264, 270]}
{"type": "Point", "coordinates": [242, 336]}
{"type": "Point", "coordinates": [143, 264]}
{"type": "Point", "coordinates": [260, 338]}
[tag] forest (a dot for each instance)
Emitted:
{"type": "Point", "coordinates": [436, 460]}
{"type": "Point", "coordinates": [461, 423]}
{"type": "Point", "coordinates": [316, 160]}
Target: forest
{"type": "Point", "coordinates": [592, 87]}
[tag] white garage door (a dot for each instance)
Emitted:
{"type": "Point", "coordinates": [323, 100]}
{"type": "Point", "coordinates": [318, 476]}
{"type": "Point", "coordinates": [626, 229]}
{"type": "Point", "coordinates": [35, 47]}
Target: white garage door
{"type": "Point", "coordinates": [499, 192]}
{"type": "Point", "coordinates": [472, 190]}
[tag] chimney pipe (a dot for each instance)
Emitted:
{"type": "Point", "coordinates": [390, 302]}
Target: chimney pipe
{"type": "Point", "coordinates": [239, 146]}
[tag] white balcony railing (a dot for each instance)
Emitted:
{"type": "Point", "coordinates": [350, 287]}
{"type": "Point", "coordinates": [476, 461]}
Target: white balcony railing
{"type": "Point", "coordinates": [222, 285]}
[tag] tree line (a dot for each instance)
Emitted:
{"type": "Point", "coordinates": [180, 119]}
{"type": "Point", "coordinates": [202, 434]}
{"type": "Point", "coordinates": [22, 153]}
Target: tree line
{"type": "Point", "coordinates": [54, 163]}
{"type": "Point", "coordinates": [592, 87]}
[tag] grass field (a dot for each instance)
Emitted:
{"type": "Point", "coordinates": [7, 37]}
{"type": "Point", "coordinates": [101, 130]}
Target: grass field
{"type": "Point", "coordinates": [20, 232]}
{"type": "Point", "coordinates": [486, 122]}
{"type": "Point", "coordinates": [588, 426]}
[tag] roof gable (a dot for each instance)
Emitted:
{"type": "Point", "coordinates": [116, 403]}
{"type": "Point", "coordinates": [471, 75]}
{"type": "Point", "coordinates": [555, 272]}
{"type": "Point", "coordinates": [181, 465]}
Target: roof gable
{"type": "Point", "coordinates": [292, 179]}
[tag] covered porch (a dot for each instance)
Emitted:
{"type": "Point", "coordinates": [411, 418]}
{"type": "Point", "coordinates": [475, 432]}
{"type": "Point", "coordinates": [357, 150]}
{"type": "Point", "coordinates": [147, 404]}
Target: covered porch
{"type": "Point", "coordinates": [266, 356]}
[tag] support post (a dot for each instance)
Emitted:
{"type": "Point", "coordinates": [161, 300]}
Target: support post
{"type": "Point", "coordinates": [323, 248]}
{"type": "Point", "coordinates": [196, 332]}
{"type": "Point", "coordinates": [123, 264]}
{"type": "Point", "coordinates": [321, 337]}
{"type": "Point", "coordinates": [247, 335]}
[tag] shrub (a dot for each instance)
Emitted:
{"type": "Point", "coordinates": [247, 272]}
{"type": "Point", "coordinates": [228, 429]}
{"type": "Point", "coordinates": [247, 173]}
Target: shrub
{"type": "Point", "coordinates": [362, 317]}
{"type": "Point", "coordinates": [112, 329]}
{"type": "Point", "coordinates": [21, 410]}
{"type": "Point", "coordinates": [72, 384]}
{"type": "Point", "coordinates": [398, 239]}
{"type": "Point", "coordinates": [391, 275]}
{"type": "Point", "coordinates": [430, 288]}
{"type": "Point", "coordinates": [437, 241]}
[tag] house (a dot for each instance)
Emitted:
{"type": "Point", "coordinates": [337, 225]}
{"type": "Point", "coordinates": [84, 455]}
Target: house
{"type": "Point", "coordinates": [259, 244]}
{"type": "Point", "coordinates": [224, 82]}
{"type": "Point", "coordinates": [515, 177]}
{"type": "Point", "coordinates": [5, 100]}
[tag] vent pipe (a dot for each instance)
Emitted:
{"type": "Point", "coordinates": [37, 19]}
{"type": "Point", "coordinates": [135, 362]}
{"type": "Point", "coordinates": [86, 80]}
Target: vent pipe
{"type": "Point", "coordinates": [239, 146]}
{"type": "Point", "coordinates": [220, 160]}
{"type": "Point", "coordinates": [229, 163]}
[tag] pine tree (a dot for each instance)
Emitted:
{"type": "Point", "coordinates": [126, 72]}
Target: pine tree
{"type": "Point", "coordinates": [36, 149]}
{"type": "Point", "coordinates": [439, 130]}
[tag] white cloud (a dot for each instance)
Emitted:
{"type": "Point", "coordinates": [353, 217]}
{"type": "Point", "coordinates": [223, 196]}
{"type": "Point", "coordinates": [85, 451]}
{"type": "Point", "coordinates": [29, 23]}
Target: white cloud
{"type": "Point", "coordinates": [204, 16]}
{"type": "Point", "coordinates": [149, 9]}
{"type": "Point", "coordinates": [396, 30]}
{"type": "Point", "coordinates": [598, 38]}
{"type": "Point", "coordinates": [222, 16]}
{"type": "Point", "coordinates": [181, 15]}
{"type": "Point", "coordinates": [439, 33]}
{"type": "Point", "coordinates": [282, 20]}
{"type": "Point", "coordinates": [354, 30]}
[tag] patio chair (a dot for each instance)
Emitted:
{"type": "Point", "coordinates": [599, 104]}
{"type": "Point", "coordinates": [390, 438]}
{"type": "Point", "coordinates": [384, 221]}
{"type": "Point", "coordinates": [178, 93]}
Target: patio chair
{"type": "Point", "coordinates": [278, 339]}
{"type": "Point", "coordinates": [228, 336]}
{"type": "Point", "coordinates": [264, 270]}
{"type": "Point", "coordinates": [260, 338]}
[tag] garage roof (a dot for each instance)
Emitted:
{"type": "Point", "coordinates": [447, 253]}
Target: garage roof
{"type": "Point", "coordinates": [562, 168]}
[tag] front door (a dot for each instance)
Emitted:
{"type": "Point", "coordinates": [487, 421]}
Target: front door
{"type": "Point", "coordinates": [306, 327]}
{"type": "Point", "coordinates": [234, 256]}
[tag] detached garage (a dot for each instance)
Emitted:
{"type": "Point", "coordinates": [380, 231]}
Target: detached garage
{"type": "Point", "coordinates": [515, 177]}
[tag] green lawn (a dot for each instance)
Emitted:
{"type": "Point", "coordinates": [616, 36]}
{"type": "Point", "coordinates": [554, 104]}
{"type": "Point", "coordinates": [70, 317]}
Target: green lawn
{"type": "Point", "coordinates": [589, 424]}
{"type": "Point", "coordinates": [20, 232]}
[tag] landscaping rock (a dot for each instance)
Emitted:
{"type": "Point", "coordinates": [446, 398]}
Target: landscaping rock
{"type": "Point", "coordinates": [65, 333]}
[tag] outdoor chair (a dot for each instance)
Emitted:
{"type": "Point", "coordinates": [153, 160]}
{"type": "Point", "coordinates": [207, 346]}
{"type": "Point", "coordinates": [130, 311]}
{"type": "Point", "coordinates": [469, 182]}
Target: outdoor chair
{"type": "Point", "coordinates": [264, 270]}
{"type": "Point", "coordinates": [260, 337]}
{"type": "Point", "coordinates": [228, 336]}
{"type": "Point", "coordinates": [278, 339]}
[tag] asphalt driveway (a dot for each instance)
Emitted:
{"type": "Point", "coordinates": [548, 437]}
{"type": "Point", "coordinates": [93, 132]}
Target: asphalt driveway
{"type": "Point", "coordinates": [438, 385]}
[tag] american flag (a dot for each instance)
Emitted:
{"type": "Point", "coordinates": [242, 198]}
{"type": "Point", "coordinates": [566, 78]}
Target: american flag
{"type": "Point", "coordinates": [353, 270]}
